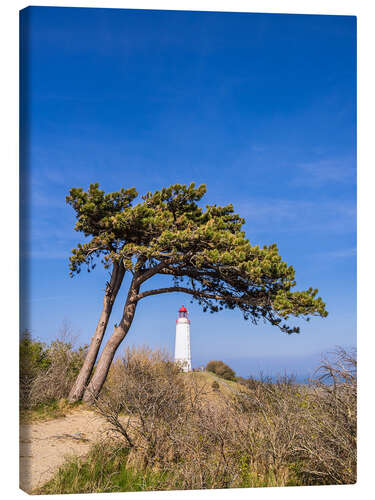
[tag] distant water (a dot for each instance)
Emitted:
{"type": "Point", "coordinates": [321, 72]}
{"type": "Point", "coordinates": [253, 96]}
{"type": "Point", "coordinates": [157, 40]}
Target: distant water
{"type": "Point", "coordinates": [298, 379]}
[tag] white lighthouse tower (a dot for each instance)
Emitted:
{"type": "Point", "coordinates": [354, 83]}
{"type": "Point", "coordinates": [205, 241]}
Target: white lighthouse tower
{"type": "Point", "coordinates": [182, 347]}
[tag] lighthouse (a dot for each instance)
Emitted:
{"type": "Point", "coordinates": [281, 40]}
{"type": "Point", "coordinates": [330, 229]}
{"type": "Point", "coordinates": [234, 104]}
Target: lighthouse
{"type": "Point", "coordinates": [182, 346]}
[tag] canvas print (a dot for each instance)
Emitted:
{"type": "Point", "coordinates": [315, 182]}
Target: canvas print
{"type": "Point", "coordinates": [188, 250]}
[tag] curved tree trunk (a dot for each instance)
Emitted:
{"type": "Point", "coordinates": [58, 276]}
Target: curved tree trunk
{"type": "Point", "coordinates": [112, 289]}
{"type": "Point", "coordinates": [106, 358]}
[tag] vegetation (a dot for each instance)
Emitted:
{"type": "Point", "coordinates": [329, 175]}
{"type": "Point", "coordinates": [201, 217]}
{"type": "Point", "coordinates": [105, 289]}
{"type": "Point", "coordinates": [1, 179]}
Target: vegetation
{"type": "Point", "coordinates": [215, 385]}
{"type": "Point", "coordinates": [47, 373]}
{"type": "Point", "coordinates": [203, 251]}
{"type": "Point", "coordinates": [100, 472]}
{"type": "Point", "coordinates": [172, 432]}
{"type": "Point", "coordinates": [221, 370]}
{"type": "Point", "coordinates": [33, 360]}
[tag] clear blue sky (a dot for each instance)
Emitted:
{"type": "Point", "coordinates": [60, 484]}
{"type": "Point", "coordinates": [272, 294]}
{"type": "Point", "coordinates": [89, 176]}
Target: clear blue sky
{"type": "Point", "coordinates": [261, 108]}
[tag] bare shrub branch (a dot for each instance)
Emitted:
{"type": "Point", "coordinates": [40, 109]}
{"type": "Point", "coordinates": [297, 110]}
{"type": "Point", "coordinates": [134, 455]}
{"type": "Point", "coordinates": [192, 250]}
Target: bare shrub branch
{"type": "Point", "coordinates": [268, 433]}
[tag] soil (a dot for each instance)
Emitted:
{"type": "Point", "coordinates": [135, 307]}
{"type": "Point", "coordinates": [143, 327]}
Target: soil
{"type": "Point", "coordinates": [44, 446]}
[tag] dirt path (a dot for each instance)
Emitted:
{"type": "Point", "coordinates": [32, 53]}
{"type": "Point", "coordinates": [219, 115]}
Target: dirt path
{"type": "Point", "coordinates": [44, 446]}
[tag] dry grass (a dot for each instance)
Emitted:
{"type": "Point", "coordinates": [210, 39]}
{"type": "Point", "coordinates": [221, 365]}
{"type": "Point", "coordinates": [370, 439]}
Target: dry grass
{"type": "Point", "coordinates": [205, 380]}
{"type": "Point", "coordinates": [191, 436]}
{"type": "Point", "coordinates": [55, 382]}
{"type": "Point", "coordinates": [50, 411]}
{"type": "Point", "coordinates": [47, 373]}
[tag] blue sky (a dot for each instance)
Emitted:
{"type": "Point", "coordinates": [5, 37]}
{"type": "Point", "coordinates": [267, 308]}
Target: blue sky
{"type": "Point", "coordinates": [261, 108]}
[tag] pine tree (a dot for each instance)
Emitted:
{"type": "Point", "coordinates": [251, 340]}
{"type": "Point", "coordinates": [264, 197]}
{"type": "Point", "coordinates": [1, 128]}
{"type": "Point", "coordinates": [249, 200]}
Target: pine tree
{"type": "Point", "coordinates": [204, 251]}
{"type": "Point", "coordinates": [94, 212]}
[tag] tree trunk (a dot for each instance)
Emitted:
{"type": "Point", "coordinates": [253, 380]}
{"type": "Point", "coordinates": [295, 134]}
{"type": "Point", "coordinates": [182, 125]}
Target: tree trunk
{"type": "Point", "coordinates": [112, 289]}
{"type": "Point", "coordinates": [106, 358]}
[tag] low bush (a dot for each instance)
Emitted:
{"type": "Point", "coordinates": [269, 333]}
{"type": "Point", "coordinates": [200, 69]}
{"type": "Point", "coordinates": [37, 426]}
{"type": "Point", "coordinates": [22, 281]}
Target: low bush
{"type": "Point", "coordinates": [47, 372]}
{"type": "Point", "coordinates": [221, 369]}
{"type": "Point", "coordinates": [172, 434]}
{"type": "Point", "coordinates": [330, 446]}
{"type": "Point", "coordinates": [33, 360]}
{"type": "Point", "coordinates": [215, 386]}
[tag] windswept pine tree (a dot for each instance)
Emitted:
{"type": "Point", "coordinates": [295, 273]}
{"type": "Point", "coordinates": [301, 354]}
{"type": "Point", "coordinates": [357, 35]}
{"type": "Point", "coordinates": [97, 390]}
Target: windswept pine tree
{"type": "Point", "coordinates": [204, 251]}
{"type": "Point", "coordinates": [94, 212]}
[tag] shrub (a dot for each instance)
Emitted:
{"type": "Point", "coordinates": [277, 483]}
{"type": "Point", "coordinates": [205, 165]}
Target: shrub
{"type": "Point", "coordinates": [148, 387]}
{"type": "Point", "coordinates": [33, 360]}
{"type": "Point", "coordinates": [47, 372]}
{"type": "Point", "coordinates": [267, 434]}
{"type": "Point", "coordinates": [215, 385]}
{"type": "Point", "coordinates": [330, 447]}
{"type": "Point", "coordinates": [56, 381]}
{"type": "Point", "coordinates": [221, 369]}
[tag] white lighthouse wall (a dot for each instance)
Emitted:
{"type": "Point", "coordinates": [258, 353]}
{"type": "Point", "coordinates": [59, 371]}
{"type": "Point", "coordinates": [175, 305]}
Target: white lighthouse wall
{"type": "Point", "coordinates": [182, 346]}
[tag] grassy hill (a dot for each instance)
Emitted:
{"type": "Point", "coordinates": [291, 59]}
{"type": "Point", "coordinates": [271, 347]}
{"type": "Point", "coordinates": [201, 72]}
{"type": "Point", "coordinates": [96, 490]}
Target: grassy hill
{"type": "Point", "coordinates": [205, 379]}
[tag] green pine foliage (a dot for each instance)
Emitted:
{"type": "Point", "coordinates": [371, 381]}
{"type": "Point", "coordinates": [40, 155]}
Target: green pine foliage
{"type": "Point", "coordinates": [203, 250]}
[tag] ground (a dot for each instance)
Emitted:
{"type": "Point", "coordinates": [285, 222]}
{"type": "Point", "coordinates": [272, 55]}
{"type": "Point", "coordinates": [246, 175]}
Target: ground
{"type": "Point", "coordinates": [44, 445]}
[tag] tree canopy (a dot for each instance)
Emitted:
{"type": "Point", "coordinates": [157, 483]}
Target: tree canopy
{"type": "Point", "coordinates": [204, 250]}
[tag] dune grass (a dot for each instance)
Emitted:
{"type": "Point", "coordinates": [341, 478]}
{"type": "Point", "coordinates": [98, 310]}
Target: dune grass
{"type": "Point", "coordinates": [183, 432]}
{"type": "Point", "coordinates": [106, 469]}
{"type": "Point", "coordinates": [49, 410]}
{"type": "Point", "coordinates": [103, 470]}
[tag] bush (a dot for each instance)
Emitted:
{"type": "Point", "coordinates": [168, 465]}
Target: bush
{"type": "Point", "coordinates": [267, 434]}
{"type": "Point", "coordinates": [215, 386]}
{"type": "Point", "coordinates": [148, 387]}
{"type": "Point", "coordinates": [56, 381]}
{"type": "Point", "coordinates": [221, 370]}
{"type": "Point", "coordinates": [33, 360]}
{"type": "Point", "coordinates": [330, 447]}
{"type": "Point", "coordinates": [47, 372]}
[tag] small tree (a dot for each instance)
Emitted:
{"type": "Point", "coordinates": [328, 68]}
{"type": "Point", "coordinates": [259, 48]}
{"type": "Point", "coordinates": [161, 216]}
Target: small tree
{"type": "Point", "coordinates": [203, 251]}
{"type": "Point", "coordinates": [221, 369]}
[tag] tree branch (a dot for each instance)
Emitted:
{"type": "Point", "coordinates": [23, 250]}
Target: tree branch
{"type": "Point", "coordinates": [152, 271]}
{"type": "Point", "coordinates": [196, 293]}
{"type": "Point", "coordinates": [161, 267]}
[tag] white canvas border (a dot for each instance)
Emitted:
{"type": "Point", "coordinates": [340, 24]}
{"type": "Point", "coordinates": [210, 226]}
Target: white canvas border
{"type": "Point", "coordinates": [9, 231]}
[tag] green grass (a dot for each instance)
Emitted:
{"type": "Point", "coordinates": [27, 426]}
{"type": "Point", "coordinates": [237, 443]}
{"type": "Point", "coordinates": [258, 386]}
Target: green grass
{"type": "Point", "coordinates": [105, 470]}
{"type": "Point", "coordinates": [254, 480]}
{"type": "Point", "coordinates": [48, 411]}
{"type": "Point", "coordinates": [102, 471]}
{"type": "Point", "coordinates": [225, 386]}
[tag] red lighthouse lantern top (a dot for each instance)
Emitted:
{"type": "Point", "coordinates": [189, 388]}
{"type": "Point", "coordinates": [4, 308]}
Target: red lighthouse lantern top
{"type": "Point", "coordinates": [182, 312]}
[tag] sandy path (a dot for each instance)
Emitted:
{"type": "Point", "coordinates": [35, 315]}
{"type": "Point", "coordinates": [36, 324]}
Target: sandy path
{"type": "Point", "coordinates": [44, 446]}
